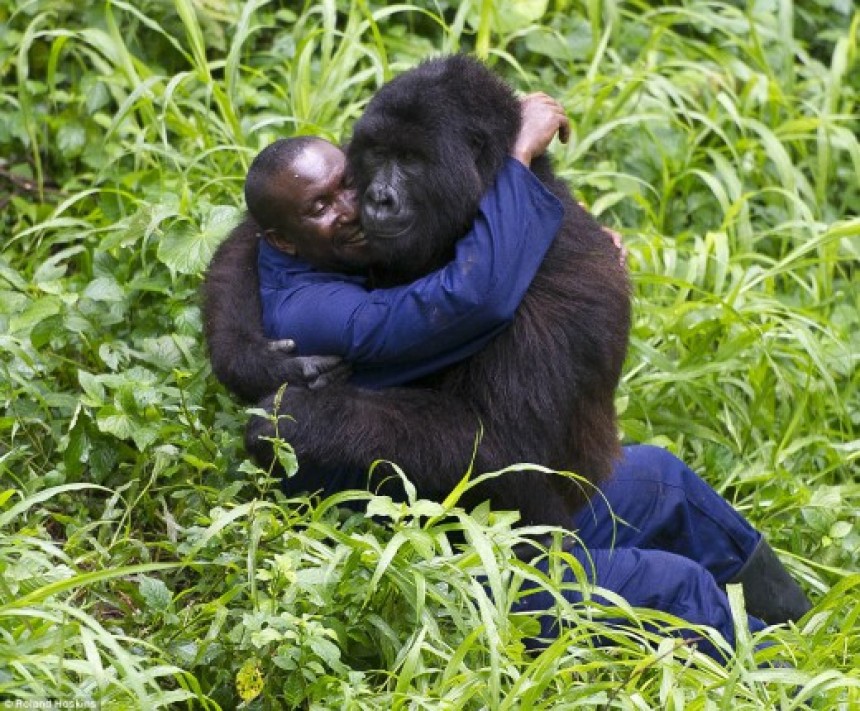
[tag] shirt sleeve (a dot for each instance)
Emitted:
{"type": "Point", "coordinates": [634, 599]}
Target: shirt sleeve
{"type": "Point", "coordinates": [477, 292]}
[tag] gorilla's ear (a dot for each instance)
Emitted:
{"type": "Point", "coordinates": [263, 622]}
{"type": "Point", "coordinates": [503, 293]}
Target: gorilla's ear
{"type": "Point", "coordinates": [478, 139]}
{"type": "Point", "coordinates": [487, 151]}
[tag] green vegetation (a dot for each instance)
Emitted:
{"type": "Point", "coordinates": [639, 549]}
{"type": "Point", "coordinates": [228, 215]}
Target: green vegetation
{"type": "Point", "coordinates": [144, 564]}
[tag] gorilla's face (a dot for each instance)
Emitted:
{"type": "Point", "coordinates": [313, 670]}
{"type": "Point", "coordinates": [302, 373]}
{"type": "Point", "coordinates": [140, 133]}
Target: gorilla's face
{"type": "Point", "coordinates": [389, 209]}
{"type": "Point", "coordinates": [416, 199]}
{"type": "Point", "coordinates": [422, 155]}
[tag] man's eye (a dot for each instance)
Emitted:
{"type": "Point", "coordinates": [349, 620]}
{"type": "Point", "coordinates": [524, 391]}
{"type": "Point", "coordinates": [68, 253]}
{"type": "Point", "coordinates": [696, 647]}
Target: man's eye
{"type": "Point", "coordinates": [318, 208]}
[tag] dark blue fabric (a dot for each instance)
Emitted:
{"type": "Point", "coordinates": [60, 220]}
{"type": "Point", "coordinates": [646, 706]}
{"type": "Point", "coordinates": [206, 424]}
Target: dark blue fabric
{"type": "Point", "coordinates": [664, 505]}
{"type": "Point", "coordinates": [680, 543]}
{"type": "Point", "coordinates": [394, 336]}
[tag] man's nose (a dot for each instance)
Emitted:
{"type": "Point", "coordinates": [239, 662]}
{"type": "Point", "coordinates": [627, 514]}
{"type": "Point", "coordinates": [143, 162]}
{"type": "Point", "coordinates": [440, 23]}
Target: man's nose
{"type": "Point", "coordinates": [348, 211]}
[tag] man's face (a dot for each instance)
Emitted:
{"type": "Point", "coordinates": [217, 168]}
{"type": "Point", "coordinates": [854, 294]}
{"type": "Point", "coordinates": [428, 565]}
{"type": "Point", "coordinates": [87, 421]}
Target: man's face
{"type": "Point", "coordinates": [321, 211]}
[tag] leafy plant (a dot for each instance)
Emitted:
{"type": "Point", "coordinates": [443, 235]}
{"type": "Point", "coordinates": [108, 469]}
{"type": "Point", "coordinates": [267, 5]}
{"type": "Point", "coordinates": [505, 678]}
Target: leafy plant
{"type": "Point", "coordinates": [145, 564]}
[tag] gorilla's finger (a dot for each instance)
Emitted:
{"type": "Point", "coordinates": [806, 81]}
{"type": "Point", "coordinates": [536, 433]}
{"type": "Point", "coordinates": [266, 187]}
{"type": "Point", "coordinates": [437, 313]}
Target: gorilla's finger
{"type": "Point", "coordinates": [339, 374]}
{"type": "Point", "coordinates": [285, 345]}
{"type": "Point", "coordinates": [314, 367]}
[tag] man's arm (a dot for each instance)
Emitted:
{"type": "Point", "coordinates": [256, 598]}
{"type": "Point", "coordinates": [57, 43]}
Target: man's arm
{"type": "Point", "coordinates": [468, 299]}
{"type": "Point", "coordinates": [243, 359]}
{"type": "Point", "coordinates": [475, 293]}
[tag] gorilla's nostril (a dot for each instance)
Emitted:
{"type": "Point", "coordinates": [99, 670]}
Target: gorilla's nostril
{"type": "Point", "coordinates": [381, 195]}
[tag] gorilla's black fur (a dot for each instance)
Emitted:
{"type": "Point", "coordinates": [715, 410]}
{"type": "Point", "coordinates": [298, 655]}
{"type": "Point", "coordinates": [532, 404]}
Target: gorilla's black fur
{"type": "Point", "coordinates": [424, 152]}
{"type": "Point", "coordinates": [240, 353]}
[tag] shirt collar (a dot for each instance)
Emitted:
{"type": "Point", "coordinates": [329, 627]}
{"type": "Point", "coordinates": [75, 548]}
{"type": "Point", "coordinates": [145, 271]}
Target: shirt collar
{"type": "Point", "coordinates": [278, 269]}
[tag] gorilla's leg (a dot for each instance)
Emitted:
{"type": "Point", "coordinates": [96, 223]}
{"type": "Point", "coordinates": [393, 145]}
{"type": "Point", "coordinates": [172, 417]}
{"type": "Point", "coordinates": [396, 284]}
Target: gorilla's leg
{"type": "Point", "coordinates": [431, 435]}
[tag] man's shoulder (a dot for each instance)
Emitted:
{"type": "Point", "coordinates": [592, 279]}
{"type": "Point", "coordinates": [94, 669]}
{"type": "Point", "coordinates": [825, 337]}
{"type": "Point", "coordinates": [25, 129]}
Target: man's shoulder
{"type": "Point", "coordinates": [278, 270]}
{"type": "Point", "coordinates": [272, 262]}
{"type": "Point", "coordinates": [283, 273]}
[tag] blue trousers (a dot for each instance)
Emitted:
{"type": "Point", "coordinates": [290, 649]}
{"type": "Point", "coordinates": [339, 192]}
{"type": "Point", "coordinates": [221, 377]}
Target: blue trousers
{"type": "Point", "coordinates": [677, 543]}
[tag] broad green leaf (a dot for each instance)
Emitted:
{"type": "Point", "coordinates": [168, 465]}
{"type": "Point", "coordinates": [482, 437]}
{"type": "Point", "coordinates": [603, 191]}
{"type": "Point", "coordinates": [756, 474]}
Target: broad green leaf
{"type": "Point", "coordinates": [510, 15]}
{"type": "Point", "coordinates": [117, 423]}
{"type": "Point", "coordinates": [249, 680]}
{"type": "Point", "coordinates": [188, 250]}
{"type": "Point", "coordinates": [44, 307]}
{"type": "Point", "coordinates": [92, 387]}
{"type": "Point", "coordinates": [104, 289]}
{"type": "Point", "coordinates": [155, 593]}
{"type": "Point", "coordinates": [71, 138]}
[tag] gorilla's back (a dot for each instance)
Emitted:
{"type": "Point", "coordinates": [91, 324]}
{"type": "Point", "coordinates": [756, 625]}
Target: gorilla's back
{"type": "Point", "coordinates": [554, 372]}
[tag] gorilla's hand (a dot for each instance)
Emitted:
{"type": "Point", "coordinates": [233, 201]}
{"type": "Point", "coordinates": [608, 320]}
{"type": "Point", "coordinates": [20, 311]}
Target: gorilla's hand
{"type": "Point", "coordinates": [311, 372]}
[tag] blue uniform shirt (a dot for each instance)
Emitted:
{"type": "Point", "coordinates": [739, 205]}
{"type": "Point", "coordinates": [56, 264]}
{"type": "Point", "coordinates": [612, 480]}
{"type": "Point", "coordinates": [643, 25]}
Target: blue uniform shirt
{"type": "Point", "coordinates": [393, 336]}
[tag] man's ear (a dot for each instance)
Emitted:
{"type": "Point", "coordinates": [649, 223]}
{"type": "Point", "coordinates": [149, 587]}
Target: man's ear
{"type": "Point", "coordinates": [279, 242]}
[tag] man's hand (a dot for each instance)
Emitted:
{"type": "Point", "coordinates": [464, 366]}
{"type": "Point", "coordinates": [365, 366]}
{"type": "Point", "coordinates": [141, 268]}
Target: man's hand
{"type": "Point", "coordinates": [542, 118]}
{"type": "Point", "coordinates": [312, 372]}
{"type": "Point", "coordinates": [616, 240]}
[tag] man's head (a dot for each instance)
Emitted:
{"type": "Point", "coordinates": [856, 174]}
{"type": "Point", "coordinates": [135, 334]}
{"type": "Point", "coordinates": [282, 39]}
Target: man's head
{"type": "Point", "coordinates": [298, 191]}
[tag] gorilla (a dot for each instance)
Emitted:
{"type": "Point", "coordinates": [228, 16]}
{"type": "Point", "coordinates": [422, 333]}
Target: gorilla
{"type": "Point", "coordinates": [422, 155]}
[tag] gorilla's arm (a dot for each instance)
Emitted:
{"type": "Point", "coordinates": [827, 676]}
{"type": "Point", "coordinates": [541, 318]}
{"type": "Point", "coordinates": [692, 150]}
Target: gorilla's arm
{"type": "Point", "coordinates": [430, 434]}
{"type": "Point", "coordinates": [243, 359]}
{"type": "Point", "coordinates": [345, 427]}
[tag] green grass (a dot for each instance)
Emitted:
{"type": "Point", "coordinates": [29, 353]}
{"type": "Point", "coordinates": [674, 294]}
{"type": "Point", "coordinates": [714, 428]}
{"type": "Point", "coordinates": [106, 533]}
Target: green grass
{"type": "Point", "coordinates": [144, 564]}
